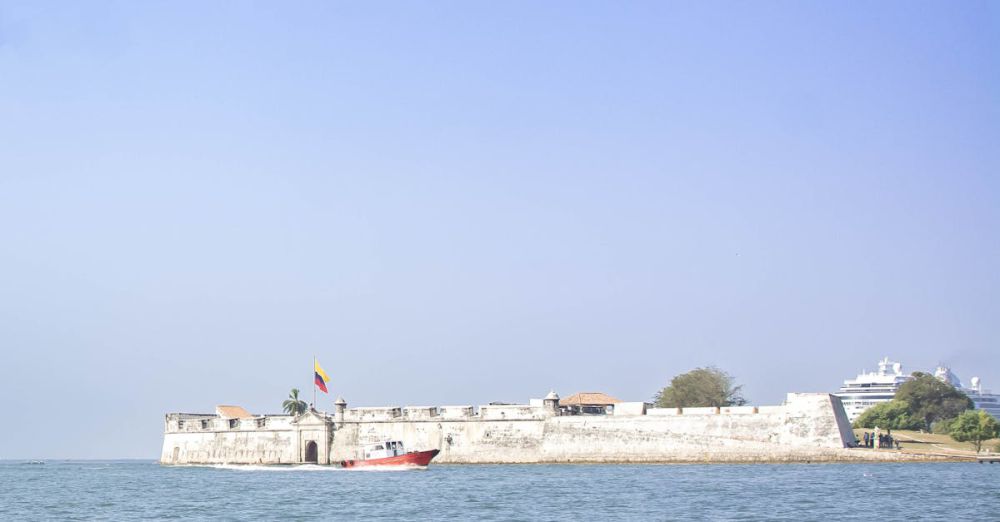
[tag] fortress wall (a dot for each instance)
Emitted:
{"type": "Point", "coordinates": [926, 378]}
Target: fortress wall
{"type": "Point", "coordinates": [662, 412]}
{"type": "Point", "coordinates": [736, 410]}
{"type": "Point", "coordinates": [806, 427]}
{"type": "Point", "coordinates": [194, 423]}
{"type": "Point", "coordinates": [658, 439]}
{"type": "Point", "coordinates": [513, 411]}
{"type": "Point", "coordinates": [373, 414]}
{"type": "Point", "coordinates": [698, 411]}
{"type": "Point", "coordinates": [460, 441]}
{"type": "Point", "coordinates": [812, 419]}
{"type": "Point", "coordinates": [230, 447]}
{"type": "Point", "coordinates": [629, 408]}
{"type": "Point", "coordinates": [456, 412]}
{"type": "Point", "coordinates": [728, 410]}
{"type": "Point", "coordinates": [843, 424]}
{"type": "Point", "coordinates": [420, 412]}
{"type": "Point", "coordinates": [210, 439]}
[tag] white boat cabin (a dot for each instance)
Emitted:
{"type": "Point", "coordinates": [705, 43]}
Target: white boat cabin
{"type": "Point", "coordinates": [386, 449]}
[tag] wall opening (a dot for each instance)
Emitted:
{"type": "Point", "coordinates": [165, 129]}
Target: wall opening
{"type": "Point", "coordinates": [312, 453]}
{"type": "Point", "coordinates": [177, 454]}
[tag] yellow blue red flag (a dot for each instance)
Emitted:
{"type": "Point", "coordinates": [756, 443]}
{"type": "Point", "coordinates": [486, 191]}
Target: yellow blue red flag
{"type": "Point", "coordinates": [321, 377]}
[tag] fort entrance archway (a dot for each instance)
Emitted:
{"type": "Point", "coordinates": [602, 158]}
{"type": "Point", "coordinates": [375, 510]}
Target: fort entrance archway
{"type": "Point", "coordinates": [312, 453]}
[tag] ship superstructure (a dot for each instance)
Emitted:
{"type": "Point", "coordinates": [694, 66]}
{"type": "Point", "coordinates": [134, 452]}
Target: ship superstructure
{"type": "Point", "coordinates": [982, 398]}
{"type": "Point", "coordinates": [871, 388]}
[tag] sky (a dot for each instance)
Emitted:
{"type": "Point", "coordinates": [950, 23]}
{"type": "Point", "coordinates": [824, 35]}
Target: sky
{"type": "Point", "coordinates": [458, 203]}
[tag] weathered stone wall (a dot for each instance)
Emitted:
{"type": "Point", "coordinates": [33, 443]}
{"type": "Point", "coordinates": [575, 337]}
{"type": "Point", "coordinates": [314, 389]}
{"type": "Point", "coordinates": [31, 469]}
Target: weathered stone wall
{"type": "Point", "coordinates": [259, 447]}
{"type": "Point", "coordinates": [273, 439]}
{"type": "Point", "coordinates": [806, 427]}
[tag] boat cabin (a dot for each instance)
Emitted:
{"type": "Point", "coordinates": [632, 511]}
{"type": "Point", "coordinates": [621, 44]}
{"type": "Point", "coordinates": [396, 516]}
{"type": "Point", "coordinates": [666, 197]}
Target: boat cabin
{"type": "Point", "coordinates": [386, 449]}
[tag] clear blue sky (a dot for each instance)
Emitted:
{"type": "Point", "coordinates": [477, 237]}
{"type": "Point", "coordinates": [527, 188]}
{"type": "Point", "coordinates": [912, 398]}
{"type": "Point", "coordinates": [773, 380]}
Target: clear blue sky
{"type": "Point", "coordinates": [463, 203]}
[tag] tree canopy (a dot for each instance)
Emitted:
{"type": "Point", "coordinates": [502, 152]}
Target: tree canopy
{"type": "Point", "coordinates": [293, 405]}
{"type": "Point", "coordinates": [930, 400]}
{"type": "Point", "coordinates": [894, 415]}
{"type": "Point", "coordinates": [707, 386]}
{"type": "Point", "coordinates": [920, 403]}
{"type": "Point", "coordinates": [975, 426]}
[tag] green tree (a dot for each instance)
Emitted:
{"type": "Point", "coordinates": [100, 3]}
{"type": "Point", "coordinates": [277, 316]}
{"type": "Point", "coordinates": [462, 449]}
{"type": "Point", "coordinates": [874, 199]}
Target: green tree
{"type": "Point", "coordinates": [975, 426]}
{"type": "Point", "coordinates": [708, 386]}
{"type": "Point", "coordinates": [931, 400]}
{"type": "Point", "coordinates": [894, 414]}
{"type": "Point", "coordinates": [293, 405]}
{"type": "Point", "coordinates": [943, 427]}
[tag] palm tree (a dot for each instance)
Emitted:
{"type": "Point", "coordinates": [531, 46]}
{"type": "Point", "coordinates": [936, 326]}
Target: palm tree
{"type": "Point", "coordinates": [293, 405]}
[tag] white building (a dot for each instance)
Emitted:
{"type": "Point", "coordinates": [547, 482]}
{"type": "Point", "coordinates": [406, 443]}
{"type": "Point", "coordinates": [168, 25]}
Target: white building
{"type": "Point", "coordinates": [983, 399]}
{"type": "Point", "coordinates": [871, 388]}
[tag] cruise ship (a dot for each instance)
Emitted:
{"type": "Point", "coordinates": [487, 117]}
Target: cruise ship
{"type": "Point", "coordinates": [983, 399]}
{"type": "Point", "coordinates": [871, 388]}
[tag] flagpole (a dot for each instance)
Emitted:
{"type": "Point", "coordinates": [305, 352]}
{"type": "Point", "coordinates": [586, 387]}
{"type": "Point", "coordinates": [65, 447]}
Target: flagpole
{"type": "Point", "coordinates": [314, 381]}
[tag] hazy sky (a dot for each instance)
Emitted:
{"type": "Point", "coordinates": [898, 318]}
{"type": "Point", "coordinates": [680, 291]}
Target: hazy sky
{"type": "Point", "coordinates": [457, 203]}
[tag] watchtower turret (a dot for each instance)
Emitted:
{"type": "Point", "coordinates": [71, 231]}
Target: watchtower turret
{"type": "Point", "coordinates": [339, 407]}
{"type": "Point", "coordinates": [551, 403]}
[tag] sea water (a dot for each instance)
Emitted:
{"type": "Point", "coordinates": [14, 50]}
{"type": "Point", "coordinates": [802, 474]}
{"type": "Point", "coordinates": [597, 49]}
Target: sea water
{"type": "Point", "coordinates": [143, 490]}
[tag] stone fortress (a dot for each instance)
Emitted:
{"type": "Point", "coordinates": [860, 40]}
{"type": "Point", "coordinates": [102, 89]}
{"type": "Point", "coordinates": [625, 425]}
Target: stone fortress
{"type": "Point", "coordinates": [807, 427]}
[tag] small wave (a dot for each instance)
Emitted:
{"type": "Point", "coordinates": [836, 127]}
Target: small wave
{"type": "Point", "coordinates": [299, 467]}
{"type": "Point", "coordinates": [387, 468]}
{"type": "Point", "coordinates": [277, 467]}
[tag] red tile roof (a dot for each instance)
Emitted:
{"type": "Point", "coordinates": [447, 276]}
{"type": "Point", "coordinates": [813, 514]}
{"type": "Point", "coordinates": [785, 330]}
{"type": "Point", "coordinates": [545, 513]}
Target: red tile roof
{"type": "Point", "coordinates": [589, 399]}
{"type": "Point", "coordinates": [232, 412]}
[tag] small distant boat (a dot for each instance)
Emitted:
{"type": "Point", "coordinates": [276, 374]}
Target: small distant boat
{"type": "Point", "coordinates": [35, 462]}
{"type": "Point", "coordinates": [391, 453]}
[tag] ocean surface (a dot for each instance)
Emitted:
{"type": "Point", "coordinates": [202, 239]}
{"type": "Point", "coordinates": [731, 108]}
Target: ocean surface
{"type": "Point", "coordinates": [142, 490]}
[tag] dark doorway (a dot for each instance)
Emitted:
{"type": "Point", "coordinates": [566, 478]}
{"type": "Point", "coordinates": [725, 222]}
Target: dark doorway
{"type": "Point", "coordinates": [312, 454]}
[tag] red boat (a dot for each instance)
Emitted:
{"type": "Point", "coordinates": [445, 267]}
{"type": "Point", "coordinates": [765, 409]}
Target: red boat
{"type": "Point", "coordinates": [391, 453]}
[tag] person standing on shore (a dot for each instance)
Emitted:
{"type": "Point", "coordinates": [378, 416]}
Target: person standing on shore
{"type": "Point", "coordinates": [876, 437]}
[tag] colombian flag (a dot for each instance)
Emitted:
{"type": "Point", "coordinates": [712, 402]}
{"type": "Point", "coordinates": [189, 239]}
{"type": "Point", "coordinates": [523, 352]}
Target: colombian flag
{"type": "Point", "coordinates": [321, 377]}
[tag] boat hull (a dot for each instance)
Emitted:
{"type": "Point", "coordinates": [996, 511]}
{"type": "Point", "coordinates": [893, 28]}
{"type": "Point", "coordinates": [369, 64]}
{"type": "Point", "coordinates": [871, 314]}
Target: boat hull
{"type": "Point", "coordinates": [412, 459]}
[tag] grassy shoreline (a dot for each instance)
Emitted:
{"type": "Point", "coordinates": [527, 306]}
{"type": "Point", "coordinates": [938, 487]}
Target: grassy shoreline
{"type": "Point", "coordinates": [919, 443]}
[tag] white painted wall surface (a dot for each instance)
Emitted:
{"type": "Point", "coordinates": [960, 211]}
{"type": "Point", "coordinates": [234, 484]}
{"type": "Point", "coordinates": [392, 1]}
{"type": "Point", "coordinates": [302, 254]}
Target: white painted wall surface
{"type": "Point", "coordinates": [806, 427]}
